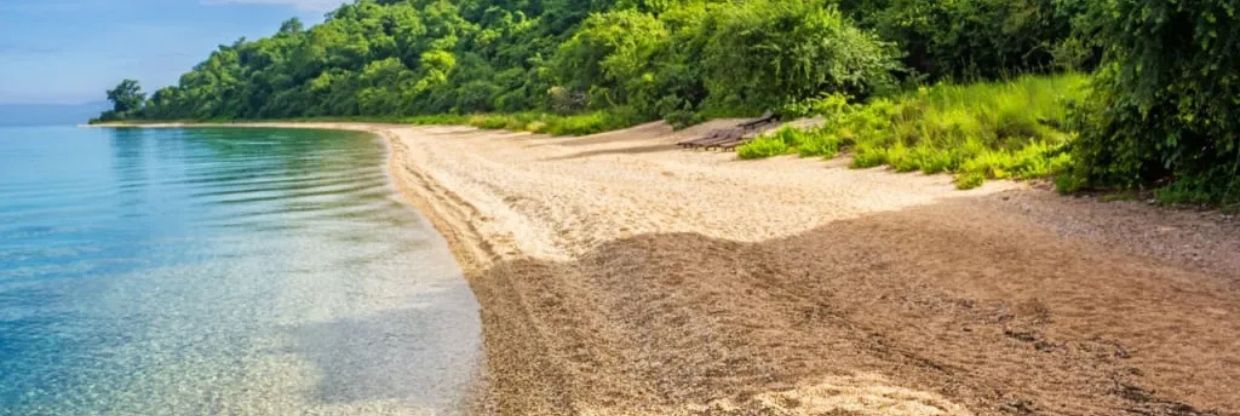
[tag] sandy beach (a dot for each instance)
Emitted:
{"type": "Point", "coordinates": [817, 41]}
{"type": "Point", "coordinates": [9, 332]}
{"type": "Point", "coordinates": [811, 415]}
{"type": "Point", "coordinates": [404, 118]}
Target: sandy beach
{"type": "Point", "coordinates": [619, 274]}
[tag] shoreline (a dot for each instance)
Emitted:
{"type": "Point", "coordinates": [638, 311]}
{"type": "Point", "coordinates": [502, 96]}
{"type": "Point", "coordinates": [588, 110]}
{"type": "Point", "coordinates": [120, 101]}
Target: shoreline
{"type": "Point", "coordinates": [620, 275]}
{"type": "Point", "coordinates": [413, 190]}
{"type": "Point", "coordinates": [412, 186]}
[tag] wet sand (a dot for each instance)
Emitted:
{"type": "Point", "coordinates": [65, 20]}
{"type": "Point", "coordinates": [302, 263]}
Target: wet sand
{"type": "Point", "coordinates": [618, 274]}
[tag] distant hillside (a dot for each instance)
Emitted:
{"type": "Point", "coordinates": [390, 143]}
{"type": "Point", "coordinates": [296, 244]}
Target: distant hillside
{"type": "Point", "coordinates": [48, 114]}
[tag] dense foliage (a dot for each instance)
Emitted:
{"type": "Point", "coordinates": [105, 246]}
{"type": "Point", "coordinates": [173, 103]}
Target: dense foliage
{"type": "Point", "coordinates": [1165, 108]}
{"type": "Point", "coordinates": [966, 39]}
{"type": "Point", "coordinates": [641, 59]}
{"type": "Point", "coordinates": [637, 59]}
{"type": "Point", "coordinates": [723, 58]}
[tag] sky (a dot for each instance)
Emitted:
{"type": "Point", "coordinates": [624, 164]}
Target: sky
{"type": "Point", "coordinates": [72, 51]}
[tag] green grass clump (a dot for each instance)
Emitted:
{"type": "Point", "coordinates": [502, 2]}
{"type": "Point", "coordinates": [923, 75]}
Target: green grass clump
{"type": "Point", "coordinates": [440, 119]}
{"type": "Point", "coordinates": [992, 130]}
{"type": "Point", "coordinates": [787, 140]}
{"type": "Point", "coordinates": [763, 147]}
{"type": "Point", "coordinates": [588, 123]}
{"type": "Point", "coordinates": [969, 180]}
{"type": "Point", "coordinates": [538, 122]}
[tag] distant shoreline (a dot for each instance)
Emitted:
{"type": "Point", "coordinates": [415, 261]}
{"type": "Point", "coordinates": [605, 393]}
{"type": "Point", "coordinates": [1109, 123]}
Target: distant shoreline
{"type": "Point", "coordinates": [180, 124]}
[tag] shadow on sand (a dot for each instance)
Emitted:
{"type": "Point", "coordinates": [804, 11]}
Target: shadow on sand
{"type": "Point", "coordinates": [995, 315]}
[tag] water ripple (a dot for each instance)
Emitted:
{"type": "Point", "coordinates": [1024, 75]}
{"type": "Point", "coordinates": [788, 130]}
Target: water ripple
{"type": "Point", "coordinates": [221, 271]}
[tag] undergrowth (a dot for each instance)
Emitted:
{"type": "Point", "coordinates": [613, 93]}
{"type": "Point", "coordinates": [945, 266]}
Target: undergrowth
{"type": "Point", "coordinates": [534, 122]}
{"type": "Point", "coordinates": [992, 130]}
{"type": "Point", "coordinates": [538, 122]}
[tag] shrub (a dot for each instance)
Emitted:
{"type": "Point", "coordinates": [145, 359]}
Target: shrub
{"type": "Point", "coordinates": [806, 143]}
{"type": "Point", "coordinates": [762, 54]}
{"type": "Point", "coordinates": [970, 180]}
{"type": "Point", "coordinates": [682, 118]}
{"type": "Point", "coordinates": [834, 103]}
{"type": "Point", "coordinates": [867, 155]}
{"type": "Point", "coordinates": [820, 144]}
{"type": "Point", "coordinates": [763, 147]}
{"type": "Point", "coordinates": [1163, 108]}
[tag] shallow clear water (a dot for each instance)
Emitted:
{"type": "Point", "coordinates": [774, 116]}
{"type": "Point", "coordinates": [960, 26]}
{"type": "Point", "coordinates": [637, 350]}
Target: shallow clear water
{"type": "Point", "coordinates": [221, 271]}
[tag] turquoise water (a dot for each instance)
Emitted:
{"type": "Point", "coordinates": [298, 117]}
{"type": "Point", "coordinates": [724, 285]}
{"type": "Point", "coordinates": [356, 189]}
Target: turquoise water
{"type": "Point", "coordinates": [221, 271]}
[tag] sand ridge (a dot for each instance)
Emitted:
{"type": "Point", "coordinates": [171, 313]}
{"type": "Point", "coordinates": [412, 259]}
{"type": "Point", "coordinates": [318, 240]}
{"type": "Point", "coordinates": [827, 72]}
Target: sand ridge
{"type": "Point", "coordinates": [619, 274]}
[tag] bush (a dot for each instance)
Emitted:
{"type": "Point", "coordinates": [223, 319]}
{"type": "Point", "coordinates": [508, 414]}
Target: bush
{"type": "Point", "coordinates": [787, 140]}
{"type": "Point", "coordinates": [682, 118]}
{"type": "Point", "coordinates": [970, 180]}
{"type": "Point", "coordinates": [763, 147]}
{"type": "Point", "coordinates": [821, 144]}
{"type": "Point", "coordinates": [762, 54]}
{"type": "Point", "coordinates": [1163, 109]}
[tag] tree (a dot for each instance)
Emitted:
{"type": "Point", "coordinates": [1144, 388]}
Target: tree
{"type": "Point", "coordinates": [765, 53]}
{"type": "Point", "coordinates": [968, 39]}
{"type": "Point", "coordinates": [1164, 105]}
{"type": "Point", "coordinates": [291, 27]}
{"type": "Point", "coordinates": [642, 58]}
{"type": "Point", "coordinates": [126, 98]}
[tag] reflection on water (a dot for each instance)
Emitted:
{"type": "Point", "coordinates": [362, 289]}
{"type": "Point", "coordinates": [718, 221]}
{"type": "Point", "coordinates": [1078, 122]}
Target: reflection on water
{"type": "Point", "coordinates": [221, 271]}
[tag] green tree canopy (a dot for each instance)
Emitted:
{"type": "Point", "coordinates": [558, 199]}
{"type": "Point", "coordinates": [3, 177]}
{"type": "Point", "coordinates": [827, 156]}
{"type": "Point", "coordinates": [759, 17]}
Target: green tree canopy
{"type": "Point", "coordinates": [1166, 105]}
{"type": "Point", "coordinates": [645, 57]}
{"type": "Point", "coordinates": [126, 97]}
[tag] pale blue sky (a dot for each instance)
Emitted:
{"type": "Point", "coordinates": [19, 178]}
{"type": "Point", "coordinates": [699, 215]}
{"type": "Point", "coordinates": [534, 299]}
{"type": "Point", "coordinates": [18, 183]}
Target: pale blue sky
{"type": "Point", "coordinates": [70, 51]}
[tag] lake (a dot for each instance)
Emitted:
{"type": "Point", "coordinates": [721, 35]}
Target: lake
{"type": "Point", "coordinates": [222, 271]}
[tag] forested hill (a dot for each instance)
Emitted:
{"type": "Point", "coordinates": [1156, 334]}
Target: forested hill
{"type": "Point", "coordinates": [641, 58]}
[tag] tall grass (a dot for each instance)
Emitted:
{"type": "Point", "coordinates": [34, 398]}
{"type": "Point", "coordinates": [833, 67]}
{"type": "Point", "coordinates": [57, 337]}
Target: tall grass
{"type": "Point", "coordinates": [537, 122]}
{"type": "Point", "coordinates": [993, 130]}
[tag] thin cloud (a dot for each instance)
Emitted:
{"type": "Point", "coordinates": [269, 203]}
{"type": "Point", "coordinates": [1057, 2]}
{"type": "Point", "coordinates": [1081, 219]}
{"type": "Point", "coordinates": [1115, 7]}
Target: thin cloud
{"type": "Point", "coordinates": [307, 5]}
{"type": "Point", "coordinates": [12, 48]}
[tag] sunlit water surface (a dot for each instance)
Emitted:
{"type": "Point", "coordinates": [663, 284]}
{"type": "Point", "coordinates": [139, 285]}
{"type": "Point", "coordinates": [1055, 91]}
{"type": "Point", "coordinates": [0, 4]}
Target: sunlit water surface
{"type": "Point", "coordinates": [221, 271]}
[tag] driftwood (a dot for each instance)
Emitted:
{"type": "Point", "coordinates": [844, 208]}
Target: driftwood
{"type": "Point", "coordinates": [731, 138]}
{"type": "Point", "coordinates": [766, 118]}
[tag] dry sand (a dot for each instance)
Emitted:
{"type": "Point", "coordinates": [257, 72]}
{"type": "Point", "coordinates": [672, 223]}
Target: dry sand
{"type": "Point", "coordinates": [619, 274]}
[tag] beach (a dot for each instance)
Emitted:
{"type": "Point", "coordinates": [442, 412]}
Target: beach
{"type": "Point", "coordinates": [619, 274]}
